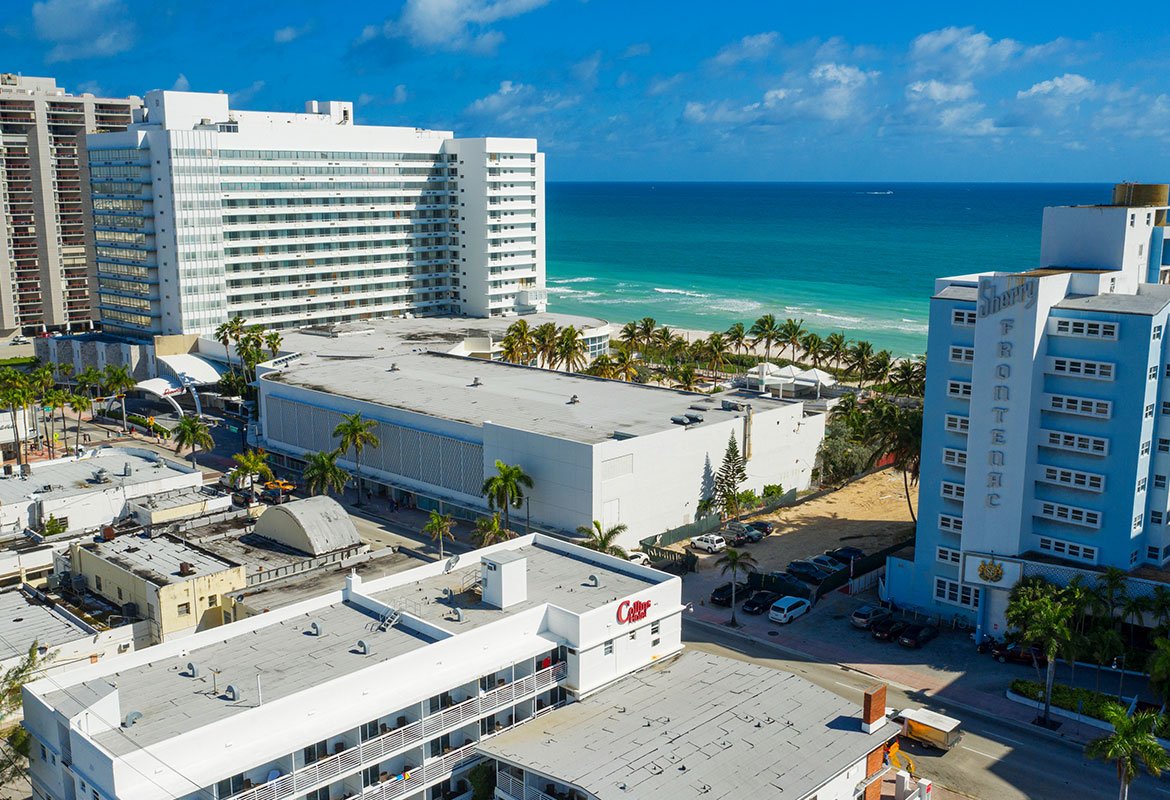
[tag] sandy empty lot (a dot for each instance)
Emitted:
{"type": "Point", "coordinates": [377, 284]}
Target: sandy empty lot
{"type": "Point", "coordinates": [869, 513]}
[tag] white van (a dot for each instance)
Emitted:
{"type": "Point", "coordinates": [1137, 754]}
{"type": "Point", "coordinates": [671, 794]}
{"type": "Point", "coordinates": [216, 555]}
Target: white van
{"type": "Point", "coordinates": [788, 608]}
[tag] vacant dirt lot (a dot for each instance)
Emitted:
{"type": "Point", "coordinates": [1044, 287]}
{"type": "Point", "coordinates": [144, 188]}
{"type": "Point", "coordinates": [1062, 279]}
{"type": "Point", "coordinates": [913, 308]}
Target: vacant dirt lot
{"type": "Point", "coordinates": [869, 513]}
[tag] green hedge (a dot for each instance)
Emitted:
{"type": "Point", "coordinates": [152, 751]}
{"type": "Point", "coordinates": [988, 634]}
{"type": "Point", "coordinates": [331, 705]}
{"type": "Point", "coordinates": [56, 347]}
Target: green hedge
{"type": "Point", "coordinates": [1081, 701]}
{"type": "Point", "coordinates": [155, 428]}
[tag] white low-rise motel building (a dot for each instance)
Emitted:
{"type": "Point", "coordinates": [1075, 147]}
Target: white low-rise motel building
{"type": "Point", "coordinates": [396, 687]}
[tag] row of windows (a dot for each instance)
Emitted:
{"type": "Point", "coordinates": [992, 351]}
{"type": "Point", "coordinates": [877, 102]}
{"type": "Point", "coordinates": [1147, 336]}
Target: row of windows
{"type": "Point", "coordinates": [119, 221]}
{"type": "Point", "coordinates": [1070, 514]}
{"type": "Point", "coordinates": [116, 204]}
{"type": "Point", "coordinates": [952, 491]}
{"type": "Point", "coordinates": [957, 424]}
{"type": "Point", "coordinates": [1076, 442]}
{"type": "Point", "coordinates": [954, 458]}
{"type": "Point", "coordinates": [315, 155]}
{"type": "Point", "coordinates": [1072, 550]}
{"type": "Point", "coordinates": [272, 186]}
{"type": "Point", "coordinates": [1085, 329]}
{"type": "Point", "coordinates": [128, 287]}
{"type": "Point", "coordinates": [128, 188]}
{"type": "Point", "coordinates": [1080, 406]}
{"type": "Point", "coordinates": [116, 154]}
{"type": "Point", "coordinates": [123, 237]}
{"type": "Point", "coordinates": [293, 202]}
{"type": "Point", "coordinates": [123, 254]}
{"type": "Point", "coordinates": [959, 389]}
{"type": "Point", "coordinates": [421, 172]}
{"type": "Point", "coordinates": [962, 355]}
{"type": "Point", "coordinates": [948, 555]}
{"type": "Point", "coordinates": [1158, 554]}
{"type": "Point", "coordinates": [1101, 370]}
{"type": "Point", "coordinates": [949, 522]}
{"type": "Point", "coordinates": [1074, 478]}
{"type": "Point", "coordinates": [956, 593]}
{"type": "Point", "coordinates": [963, 318]}
{"type": "Point", "coordinates": [124, 171]}
{"type": "Point", "coordinates": [304, 233]}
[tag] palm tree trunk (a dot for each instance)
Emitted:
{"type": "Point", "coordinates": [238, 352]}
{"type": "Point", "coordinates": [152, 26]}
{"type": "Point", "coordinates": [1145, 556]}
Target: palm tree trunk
{"type": "Point", "coordinates": [734, 623]}
{"type": "Point", "coordinates": [16, 432]}
{"type": "Point", "coordinates": [124, 426]}
{"type": "Point", "coordinates": [77, 445]}
{"type": "Point", "coordinates": [906, 483]}
{"type": "Point", "coordinates": [1048, 689]}
{"type": "Point", "coordinates": [357, 460]}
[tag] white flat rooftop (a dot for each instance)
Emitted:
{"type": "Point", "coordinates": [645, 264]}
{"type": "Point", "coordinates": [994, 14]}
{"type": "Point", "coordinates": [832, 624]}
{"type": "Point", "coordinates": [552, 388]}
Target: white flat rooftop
{"type": "Point", "coordinates": [696, 726]}
{"type": "Point", "coordinates": [23, 621]}
{"type": "Point", "coordinates": [75, 477]}
{"type": "Point", "coordinates": [525, 398]}
{"type": "Point", "coordinates": [157, 560]}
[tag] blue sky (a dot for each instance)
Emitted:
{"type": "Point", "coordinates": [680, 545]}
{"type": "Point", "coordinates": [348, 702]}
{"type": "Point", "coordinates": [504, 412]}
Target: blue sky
{"type": "Point", "coordinates": [655, 90]}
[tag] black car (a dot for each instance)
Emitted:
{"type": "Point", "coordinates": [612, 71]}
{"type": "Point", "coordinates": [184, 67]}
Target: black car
{"type": "Point", "coordinates": [888, 629]}
{"type": "Point", "coordinates": [785, 584]}
{"type": "Point", "coordinates": [763, 527]}
{"type": "Point", "coordinates": [721, 595]}
{"type": "Point", "coordinates": [917, 635]}
{"type": "Point", "coordinates": [1018, 654]}
{"type": "Point", "coordinates": [807, 571]}
{"type": "Point", "coordinates": [760, 602]}
{"type": "Point", "coordinates": [846, 554]}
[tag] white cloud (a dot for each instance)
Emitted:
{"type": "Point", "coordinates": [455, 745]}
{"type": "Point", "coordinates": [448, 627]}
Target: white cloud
{"type": "Point", "coordinates": [663, 85]}
{"type": "Point", "coordinates": [181, 84]}
{"type": "Point", "coordinates": [939, 91]}
{"type": "Point", "coordinates": [1067, 85]}
{"type": "Point", "coordinates": [585, 70]}
{"type": "Point", "coordinates": [290, 33]}
{"type": "Point", "coordinates": [968, 119]}
{"type": "Point", "coordinates": [965, 52]}
{"type": "Point", "coordinates": [243, 96]}
{"type": "Point", "coordinates": [456, 25]}
{"type": "Point", "coordinates": [635, 50]}
{"type": "Point", "coordinates": [399, 96]}
{"type": "Point", "coordinates": [749, 48]}
{"type": "Point", "coordinates": [514, 101]}
{"type": "Point", "coordinates": [83, 28]}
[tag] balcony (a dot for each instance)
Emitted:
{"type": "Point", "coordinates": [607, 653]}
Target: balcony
{"type": "Point", "coordinates": [416, 733]}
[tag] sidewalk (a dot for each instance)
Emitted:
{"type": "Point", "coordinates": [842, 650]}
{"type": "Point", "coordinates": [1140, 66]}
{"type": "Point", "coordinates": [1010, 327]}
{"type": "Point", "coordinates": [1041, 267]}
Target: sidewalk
{"type": "Point", "coordinates": [947, 673]}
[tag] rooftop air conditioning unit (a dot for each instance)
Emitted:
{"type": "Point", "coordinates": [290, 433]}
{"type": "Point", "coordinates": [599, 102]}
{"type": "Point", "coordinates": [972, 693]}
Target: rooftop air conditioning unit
{"type": "Point", "coordinates": [186, 568]}
{"type": "Point", "coordinates": [694, 416]}
{"type": "Point", "coordinates": [680, 420]}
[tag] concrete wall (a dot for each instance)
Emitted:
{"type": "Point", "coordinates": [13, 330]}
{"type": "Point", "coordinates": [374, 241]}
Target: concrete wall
{"type": "Point", "coordinates": [18, 567]}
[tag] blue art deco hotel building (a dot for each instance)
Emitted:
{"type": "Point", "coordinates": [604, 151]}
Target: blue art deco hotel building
{"type": "Point", "coordinates": [1046, 434]}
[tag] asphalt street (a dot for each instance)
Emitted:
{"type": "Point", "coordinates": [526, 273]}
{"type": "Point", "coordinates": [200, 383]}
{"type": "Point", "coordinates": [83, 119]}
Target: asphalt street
{"type": "Point", "coordinates": [993, 761]}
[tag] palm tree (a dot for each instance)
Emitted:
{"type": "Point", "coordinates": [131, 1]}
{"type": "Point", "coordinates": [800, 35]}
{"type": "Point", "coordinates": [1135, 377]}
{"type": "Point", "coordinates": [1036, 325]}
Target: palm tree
{"type": "Point", "coordinates": [544, 343]}
{"type": "Point", "coordinates": [1160, 607]}
{"type": "Point", "coordinates": [88, 380]}
{"type": "Point", "coordinates": [79, 404]}
{"type": "Point", "coordinates": [737, 338]}
{"type": "Point", "coordinates": [629, 335]}
{"type": "Point", "coordinates": [904, 378]}
{"type": "Point", "coordinates": [661, 343]}
{"type": "Point", "coordinates": [625, 364]}
{"type": "Point", "coordinates": [602, 367]}
{"type": "Point", "coordinates": [1105, 643]}
{"type": "Point", "coordinates": [572, 352]}
{"type": "Point", "coordinates": [1132, 746]}
{"type": "Point", "coordinates": [716, 350]}
{"type": "Point", "coordinates": [814, 348]}
{"type": "Point", "coordinates": [860, 360]}
{"type": "Point", "coordinates": [836, 348]}
{"type": "Point", "coordinates": [356, 433]}
{"type": "Point", "coordinates": [1110, 591]}
{"type": "Point", "coordinates": [15, 393]}
{"type": "Point", "coordinates": [192, 432]}
{"type": "Point", "coordinates": [517, 343]}
{"type": "Point", "coordinates": [117, 381]}
{"type": "Point", "coordinates": [879, 368]}
{"type": "Point", "coordinates": [646, 327]}
{"type": "Point", "coordinates": [273, 340]}
{"type": "Point", "coordinates": [1133, 610]}
{"type": "Point", "coordinates": [897, 431]}
{"type": "Point", "coordinates": [791, 332]}
{"type": "Point", "coordinates": [685, 377]}
{"type": "Point", "coordinates": [1158, 667]}
{"type": "Point", "coordinates": [505, 489]}
{"type": "Point", "coordinates": [603, 540]}
{"type": "Point", "coordinates": [253, 463]}
{"type": "Point", "coordinates": [735, 562]}
{"type": "Point", "coordinates": [1047, 627]}
{"type": "Point", "coordinates": [322, 474]}
{"type": "Point", "coordinates": [488, 531]}
{"type": "Point", "coordinates": [438, 527]}
{"type": "Point", "coordinates": [766, 330]}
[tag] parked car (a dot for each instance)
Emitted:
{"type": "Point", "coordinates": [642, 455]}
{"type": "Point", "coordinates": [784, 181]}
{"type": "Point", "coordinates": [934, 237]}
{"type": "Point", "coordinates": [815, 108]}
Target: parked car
{"type": "Point", "coordinates": [787, 609]}
{"type": "Point", "coordinates": [888, 629]}
{"type": "Point", "coordinates": [917, 635]}
{"type": "Point", "coordinates": [785, 584]}
{"type": "Point", "coordinates": [709, 542]}
{"type": "Point", "coordinates": [18, 340]}
{"type": "Point", "coordinates": [737, 539]}
{"type": "Point", "coordinates": [639, 558]}
{"type": "Point", "coordinates": [828, 563]}
{"type": "Point", "coordinates": [765, 528]}
{"type": "Point", "coordinates": [867, 615]}
{"type": "Point", "coordinates": [846, 554]}
{"type": "Point", "coordinates": [760, 602]}
{"type": "Point", "coordinates": [1018, 653]}
{"type": "Point", "coordinates": [807, 571]}
{"type": "Point", "coordinates": [735, 526]}
{"type": "Point", "coordinates": [721, 595]}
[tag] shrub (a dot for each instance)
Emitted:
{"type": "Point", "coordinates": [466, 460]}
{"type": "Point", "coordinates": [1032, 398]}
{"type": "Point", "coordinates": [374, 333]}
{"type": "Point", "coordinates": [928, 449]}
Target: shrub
{"type": "Point", "coordinates": [153, 427]}
{"type": "Point", "coordinates": [483, 781]}
{"type": "Point", "coordinates": [773, 491]}
{"type": "Point", "coordinates": [1082, 701]}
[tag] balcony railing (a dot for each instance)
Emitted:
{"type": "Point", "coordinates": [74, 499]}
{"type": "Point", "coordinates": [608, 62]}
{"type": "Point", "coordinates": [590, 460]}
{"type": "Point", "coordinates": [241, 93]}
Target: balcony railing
{"type": "Point", "coordinates": [430, 772]}
{"type": "Point", "coordinates": [371, 750]}
{"type": "Point", "coordinates": [515, 788]}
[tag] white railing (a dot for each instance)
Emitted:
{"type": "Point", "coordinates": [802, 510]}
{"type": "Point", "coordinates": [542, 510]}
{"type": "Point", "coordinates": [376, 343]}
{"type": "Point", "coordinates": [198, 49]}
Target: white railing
{"type": "Point", "coordinates": [430, 772]}
{"type": "Point", "coordinates": [389, 743]}
{"type": "Point", "coordinates": [515, 788]}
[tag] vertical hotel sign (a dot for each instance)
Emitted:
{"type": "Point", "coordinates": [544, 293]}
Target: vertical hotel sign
{"type": "Point", "coordinates": [996, 297]}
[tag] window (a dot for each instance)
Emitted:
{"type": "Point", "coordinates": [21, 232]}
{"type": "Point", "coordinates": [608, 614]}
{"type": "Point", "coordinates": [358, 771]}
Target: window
{"type": "Point", "coordinates": [1133, 558]}
{"type": "Point", "coordinates": [1141, 485]}
{"type": "Point", "coordinates": [369, 730]}
{"type": "Point", "coordinates": [97, 582]}
{"type": "Point", "coordinates": [956, 593]}
{"type": "Point", "coordinates": [1144, 450]}
{"type": "Point", "coordinates": [948, 522]}
{"type": "Point", "coordinates": [948, 555]}
{"type": "Point", "coordinates": [1076, 368]}
{"type": "Point", "coordinates": [1137, 522]}
{"type": "Point", "coordinates": [315, 752]}
{"type": "Point", "coordinates": [952, 491]}
{"type": "Point", "coordinates": [1080, 406]}
{"type": "Point", "coordinates": [1157, 332]}
{"type": "Point", "coordinates": [633, 635]}
{"type": "Point", "coordinates": [212, 600]}
{"type": "Point", "coordinates": [1159, 481]}
{"type": "Point", "coordinates": [184, 609]}
{"type": "Point", "coordinates": [1070, 514]}
{"type": "Point", "coordinates": [1093, 445]}
{"type": "Point", "coordinates": [1164, 445]}
{"type": "Point", "coordinates": [1165, 407]}
{"type": "Point", "coordinates": [1071, 477]}
{"type": "Point", "coordinates": [1153, 374]}
{"type": "Point", "coordinates": [607, 649]}
{"type": "Point", "coordinates": [119, 591]}
{"type": "Point", "coordinates": [1149, 413]}
{"type": "Point", "coordinates": [230, 786]}
{"type": "Point", "coordinates": [964, 319]}
{"type": "Point", "coordinates": [1078, 552]}
{"type": "Point", "coordinates": [654, 627]}
{"type": "Point", "coordinates": [954, 458]}
{"type": "Point", "coordinates": [957, 424]}
{"type": "Point", "coordinates": [1156, 517]}
{"type": "Point", "coordinates": [1152, 554]}
{"type": "Point", "coordinates": [962, 355]}
{"type": "Point", "coordinates": [960, 389]}
{"type": "Point", "coordinates": [655, 642]}
{"type": "Point", "coordinates": [1086, 330]}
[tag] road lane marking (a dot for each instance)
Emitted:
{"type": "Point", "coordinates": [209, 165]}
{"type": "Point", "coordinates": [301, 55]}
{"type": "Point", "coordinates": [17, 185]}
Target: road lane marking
{"type": "Point", "coordinates": [1014, 741]}
{"type": "Point", "coordinates": [980, 752]}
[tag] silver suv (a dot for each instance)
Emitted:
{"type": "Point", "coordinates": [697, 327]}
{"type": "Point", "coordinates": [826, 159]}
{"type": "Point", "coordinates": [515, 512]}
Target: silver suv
{"type": "Point", "coordinates": [867, 615]}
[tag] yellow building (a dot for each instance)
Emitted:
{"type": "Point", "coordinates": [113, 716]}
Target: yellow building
{"type": "Point", "coordinates": [178, 587]}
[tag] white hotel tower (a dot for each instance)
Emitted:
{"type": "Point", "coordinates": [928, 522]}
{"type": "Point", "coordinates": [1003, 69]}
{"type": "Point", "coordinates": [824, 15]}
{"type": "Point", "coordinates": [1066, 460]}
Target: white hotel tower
{"type": "Point", "coordinates": [1046, 436]}
{"type": "Point", "coordinates": [203, 212]}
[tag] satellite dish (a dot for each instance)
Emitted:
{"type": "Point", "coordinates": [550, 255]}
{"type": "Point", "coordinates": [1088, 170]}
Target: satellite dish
{"type": "Point", "coordinates": [450, 565]}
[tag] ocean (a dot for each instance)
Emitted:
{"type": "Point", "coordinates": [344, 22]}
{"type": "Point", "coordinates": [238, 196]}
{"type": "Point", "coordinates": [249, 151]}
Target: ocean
{"type": "Point", "coordinates": [857, 258]}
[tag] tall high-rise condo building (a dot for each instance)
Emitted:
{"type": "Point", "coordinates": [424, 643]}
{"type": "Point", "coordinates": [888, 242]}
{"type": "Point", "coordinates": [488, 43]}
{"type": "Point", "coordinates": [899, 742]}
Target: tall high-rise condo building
{"type": "Point", "coordinates": [45, 279]}
{"type": "Point", "coordinates": [204, 213]}
{"type": "Point", "coordinates": [1046, 433]}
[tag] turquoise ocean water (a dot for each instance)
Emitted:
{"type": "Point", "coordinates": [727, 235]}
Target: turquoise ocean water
{"type": "Point", "coordinates": [858, 258]}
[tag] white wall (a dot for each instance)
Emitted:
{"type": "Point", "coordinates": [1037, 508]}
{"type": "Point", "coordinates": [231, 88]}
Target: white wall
{"type": "Point", "coordinates": [1098, 237]}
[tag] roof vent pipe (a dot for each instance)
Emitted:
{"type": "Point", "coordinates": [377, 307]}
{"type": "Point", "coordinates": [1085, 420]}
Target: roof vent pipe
{"type": "Point", "coordinates": [192, 669]}
{"type": "Point", "coordinates": [362, 647]}
{"type": "Point", "coordinates": [476, 381]}
{"type": "Point", "coordinates": [131, 718]}
{"type": "Point", "coordinates": [316, 628]}
{"type": "Point", "coordinates": [231, 692]}
{"type": "Point", "coordinates": [594, 581]}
